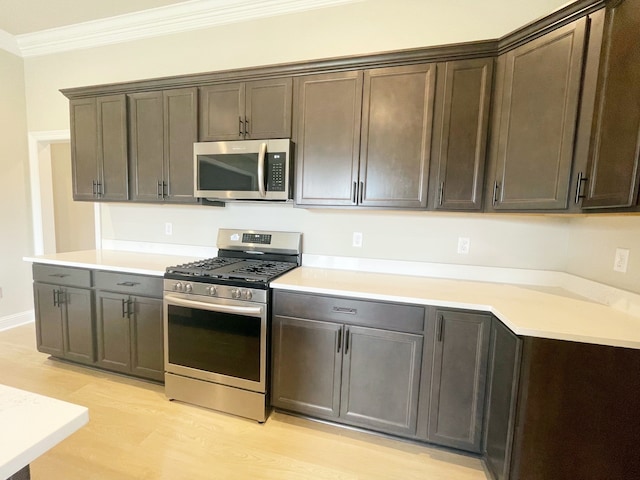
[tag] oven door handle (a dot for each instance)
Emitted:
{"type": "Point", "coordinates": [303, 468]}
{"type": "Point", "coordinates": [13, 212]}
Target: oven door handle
{"type": "Point", "coordinates": [214, 307]}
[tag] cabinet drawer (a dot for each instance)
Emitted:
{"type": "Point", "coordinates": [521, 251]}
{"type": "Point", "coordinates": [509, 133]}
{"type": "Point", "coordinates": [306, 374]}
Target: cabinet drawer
{"type": "Point", "coordinates": [77, 277]}
{"type": "Point", "coordinates": [406, 318]}
{"type": "Point", "coordinates": [128, 283]}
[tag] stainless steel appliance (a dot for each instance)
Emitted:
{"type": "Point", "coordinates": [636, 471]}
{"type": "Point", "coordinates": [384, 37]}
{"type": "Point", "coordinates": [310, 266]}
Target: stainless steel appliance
{"type": "Point", "coordinates": [216, 321]}
{"type": "Point", "coordinates": [243, 170]}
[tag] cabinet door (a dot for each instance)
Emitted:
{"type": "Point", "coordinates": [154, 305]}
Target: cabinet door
{"type": "Point", "coordinates": [113, 331]}
{"type": "Point", "coordinates": [307, 360]}
{"type": "Point", "coordinates": [180, 133]}
{"type": "Point", "coordinates": [502, 390]}
{"type": "Point", "coordinates": [147, 356]}
{"type": "Point", "coordinates": [222, 112]}
{"type": "Point", "coordinates": [49, 334]}
{"type": "Point", "coordinates": [268, 109]}
{"type": "Point", "coordinates": [112, 148]}
{"type": "Point", "coordinates": [612, 173]}
{"type": "Point", "coordinates": [84, 147]}
{"type": "Point", "coordinates": [77, 304]}
{"type": "Point", "coordinates": [459, 375]}
{"type": "Point", "coordinates": [147, 146]}
{"type": "Point", "coordinates": [397, 116]}
{"type": "Point", "coordinates": [327, 138]}
{"type": "Point", "coordinates": [536, 116]}
{"type": "Point", "coordinates": [380, 379]}
{"type": "Point", "coordinates": [460, 133]}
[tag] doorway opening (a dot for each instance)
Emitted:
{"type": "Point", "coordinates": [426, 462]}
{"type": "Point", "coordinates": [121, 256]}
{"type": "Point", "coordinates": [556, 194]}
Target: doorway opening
{"type": "Point", "coordinates": [59, 223]}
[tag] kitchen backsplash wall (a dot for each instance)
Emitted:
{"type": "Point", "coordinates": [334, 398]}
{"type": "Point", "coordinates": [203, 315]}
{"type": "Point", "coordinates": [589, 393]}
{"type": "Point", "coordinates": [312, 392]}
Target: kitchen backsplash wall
{"type": "Point", "coordinates": [593, 242]}
{"type": "Point", "coordinates": [532, 242]}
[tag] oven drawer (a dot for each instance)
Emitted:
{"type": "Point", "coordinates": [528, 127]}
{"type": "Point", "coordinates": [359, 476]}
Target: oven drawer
{"type": "Point", "coordinates": [129, 283]}
{"type": "Point", "coordinates": [76, 277]}
{"type": "Point", "coordinates": [389, 316]}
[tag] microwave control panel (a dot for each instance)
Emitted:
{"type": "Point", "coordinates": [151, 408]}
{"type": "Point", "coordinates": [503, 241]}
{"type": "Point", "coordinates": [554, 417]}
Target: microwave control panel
{"type": "Point", "coordinates": [276, 172]}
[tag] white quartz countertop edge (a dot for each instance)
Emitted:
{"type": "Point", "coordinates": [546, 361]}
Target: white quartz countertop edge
{"type": "Point", "coordinates": [526, 311]}
{"type": "Point", "coordinates": [33, 424]}
{"type": "Point", "coordinates": [153, 264]}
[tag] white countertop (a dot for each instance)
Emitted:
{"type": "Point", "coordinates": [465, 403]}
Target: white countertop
{"type": "Point", "coordinates": [31, 424]}
{"type": "Point", "coordinates": [555, 314]}
{"type": "Point", "coordinates": [114, 260]}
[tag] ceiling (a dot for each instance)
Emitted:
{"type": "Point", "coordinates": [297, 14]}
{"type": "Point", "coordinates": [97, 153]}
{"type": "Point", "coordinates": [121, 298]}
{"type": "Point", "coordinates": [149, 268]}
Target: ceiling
{"type": "Point", "coordinates": [18, 17]}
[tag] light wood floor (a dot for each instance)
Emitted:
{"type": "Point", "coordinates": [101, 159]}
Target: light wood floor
{"type": "Point", "coordinates": [135, 433]}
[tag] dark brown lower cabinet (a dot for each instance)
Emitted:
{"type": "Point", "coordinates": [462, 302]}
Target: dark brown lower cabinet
{"type": "Point", "coordinates": [573, 414]}
{"type": "Point", "coordinates": [457, 393]}
{"type": "Point", "coordinates": [358, 375]}
{"type": "Point", "coordinates": [110, 320]}
{"type": "Point", "coordinates": [64, 313]}
{"type": "Point", "coordinates": [502, 388]}
{"type": "Point", "coordinates": [362, 376]}
{"type": "Point", "coordinates": [129, 334]}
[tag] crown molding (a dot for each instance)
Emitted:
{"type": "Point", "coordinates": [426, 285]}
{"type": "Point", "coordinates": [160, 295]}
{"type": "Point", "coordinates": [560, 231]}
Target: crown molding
{"type": "Point", "coordinates": [9, 43]}
{"type": "Point", "coordinates": [182, 17]}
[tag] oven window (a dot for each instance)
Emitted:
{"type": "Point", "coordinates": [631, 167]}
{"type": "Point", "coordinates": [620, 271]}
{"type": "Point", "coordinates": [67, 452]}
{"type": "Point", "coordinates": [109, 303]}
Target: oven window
{"type": "Point", "coordinates": [222, 343]}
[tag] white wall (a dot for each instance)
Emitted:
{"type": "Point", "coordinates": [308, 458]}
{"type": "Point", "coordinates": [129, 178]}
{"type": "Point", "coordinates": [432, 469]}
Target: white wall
{"type": "Point", "coordinates": [531, 241]}
{"type": "Point", "coordinates": [594, 240]}
{"type": "Point", "coordinates": [365, 27]}
{"type": "Point", "coordinates": [15, 214]}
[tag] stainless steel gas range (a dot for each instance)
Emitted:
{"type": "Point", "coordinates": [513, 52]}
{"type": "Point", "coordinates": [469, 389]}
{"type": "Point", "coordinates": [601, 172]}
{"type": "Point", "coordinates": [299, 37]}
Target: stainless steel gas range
{"type": "Point", "coordinates": [216, 321]}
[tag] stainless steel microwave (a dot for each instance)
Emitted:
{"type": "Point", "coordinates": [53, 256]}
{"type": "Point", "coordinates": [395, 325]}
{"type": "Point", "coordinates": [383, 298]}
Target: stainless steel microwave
{"type": "Point", "coordinates": [243, 170]}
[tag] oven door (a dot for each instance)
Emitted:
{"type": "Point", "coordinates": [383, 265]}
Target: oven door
{"type": "Point", "coordinates": [216, 340]}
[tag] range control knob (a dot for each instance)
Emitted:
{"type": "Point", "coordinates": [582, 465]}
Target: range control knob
{"type": "Point", "coordinates": [247, 294]}
{"type": "Point", "coordinates": [236, 293]}
{"type": "Point", "coordinates": [188, 288]}
{"type": "Point", "coordinates": [211, 290]}
{"type": "Point", "coordinates": [178, 287]}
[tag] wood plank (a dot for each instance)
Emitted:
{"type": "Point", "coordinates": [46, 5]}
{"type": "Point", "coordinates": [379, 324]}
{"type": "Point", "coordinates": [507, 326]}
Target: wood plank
{"type": "Point", "coordinates": [135, 432]}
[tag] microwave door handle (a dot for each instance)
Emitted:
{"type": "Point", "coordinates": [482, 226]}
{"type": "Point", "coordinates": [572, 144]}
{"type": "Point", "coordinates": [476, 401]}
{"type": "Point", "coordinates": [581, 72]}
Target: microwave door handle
{"type": "Point", "coordinates": [261, 156]}
{"type": "Point", "coordinates": [213, 307]}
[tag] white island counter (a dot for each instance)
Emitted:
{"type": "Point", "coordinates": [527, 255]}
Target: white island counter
{"type": "Point", "coordinates": [31, 424]}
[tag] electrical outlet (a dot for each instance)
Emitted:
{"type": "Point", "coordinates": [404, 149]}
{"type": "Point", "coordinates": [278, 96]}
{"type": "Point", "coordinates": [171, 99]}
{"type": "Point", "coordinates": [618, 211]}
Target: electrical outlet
{"type": "Point", "coordinates": [357, 239]}
{"type": "Point", "coordinates": [168, 228]}
{"type": "Point", "coordinates": [621, 260]}
{"type": "Point", "coordinates": [0, 292]}
{"type": "Point", "coordinates": [464, 243]}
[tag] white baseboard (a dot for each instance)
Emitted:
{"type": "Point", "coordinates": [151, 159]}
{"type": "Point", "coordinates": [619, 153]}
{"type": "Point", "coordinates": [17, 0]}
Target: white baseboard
{"type": "Point", "coordinates": [16, 319]}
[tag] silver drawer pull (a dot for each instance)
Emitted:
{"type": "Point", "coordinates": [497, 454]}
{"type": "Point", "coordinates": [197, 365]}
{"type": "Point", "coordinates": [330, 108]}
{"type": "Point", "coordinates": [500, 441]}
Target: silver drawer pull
{"type": "Point", "coordinates": [128, 284]}
{"type": "Point", "coordinates": [346, 310]}
{"type": "Point", "coordinates": [60, 275]}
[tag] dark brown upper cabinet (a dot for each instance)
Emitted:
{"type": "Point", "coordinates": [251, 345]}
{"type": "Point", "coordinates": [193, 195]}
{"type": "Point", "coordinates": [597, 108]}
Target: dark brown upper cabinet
{"type": "Point", "coordinates": [535, 116]}
{"type": "Point", "coordinates": [327, 138]}
{"type": "Point", "coordinates": [163, 127]}
{"type": "Point", "coordinates": [248, 110]}
{"type": "Point", "coordinates": [612, 174]}
{"type": "Point", "coordinates": [377, 158]}
{"type": "Point", "coordinates": [460, 129]}
{"type": "Point", "coordinates": [99, 148]}
{"type": "Point", "coordinates": [395, 145]}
